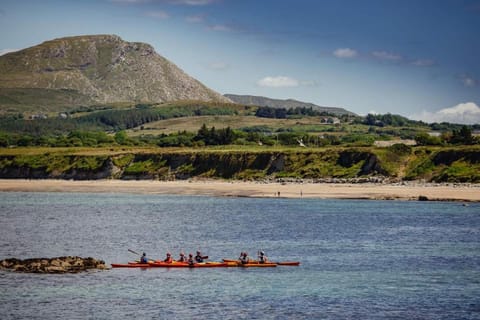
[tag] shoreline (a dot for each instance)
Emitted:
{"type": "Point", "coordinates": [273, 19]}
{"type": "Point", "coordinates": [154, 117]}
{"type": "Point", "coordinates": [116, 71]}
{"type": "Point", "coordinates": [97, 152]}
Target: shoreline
{"type": "Point", "coordinates": [221, 188]}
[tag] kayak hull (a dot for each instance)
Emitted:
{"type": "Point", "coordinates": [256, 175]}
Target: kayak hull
{"type": "Point", "coordinates": [161, 264]}
{"type": "Point", "coordinates": [257, 265]}
{"type": "Point", "coordinates": [250, 265]}
{"type": "Point", "coordinates": [187, 265]}
{"type": "Point", "coordinates": [281, 263]}
{"type": "Point", "coordinates": [131, 265]}
{"type": "Point", "coordinates": [288, 263]}
{"type": "Point", "coordinates": [225, 263]}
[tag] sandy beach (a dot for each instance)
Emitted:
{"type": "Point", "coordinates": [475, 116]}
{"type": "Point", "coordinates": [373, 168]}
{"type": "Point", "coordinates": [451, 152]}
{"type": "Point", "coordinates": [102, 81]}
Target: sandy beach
{"type": "Point", "coordinates": [411, 191]}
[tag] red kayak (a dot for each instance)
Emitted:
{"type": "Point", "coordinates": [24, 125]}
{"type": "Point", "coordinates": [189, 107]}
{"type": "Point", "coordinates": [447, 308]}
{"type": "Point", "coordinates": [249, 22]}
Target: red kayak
{"type": "Point", "coordinates": [175, 264]}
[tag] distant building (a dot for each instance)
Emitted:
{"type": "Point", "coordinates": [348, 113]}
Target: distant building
{"type": "Point", "coordinates": [38, 116]}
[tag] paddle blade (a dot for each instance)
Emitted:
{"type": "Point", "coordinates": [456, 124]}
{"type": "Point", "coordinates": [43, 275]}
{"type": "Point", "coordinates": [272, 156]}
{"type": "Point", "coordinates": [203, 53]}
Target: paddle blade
{"type": "Point", "coordinates": [130, 250]}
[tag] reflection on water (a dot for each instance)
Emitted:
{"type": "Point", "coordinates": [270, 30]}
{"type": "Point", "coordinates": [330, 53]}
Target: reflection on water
{"type": "Point", "coordinates": [360, 259]}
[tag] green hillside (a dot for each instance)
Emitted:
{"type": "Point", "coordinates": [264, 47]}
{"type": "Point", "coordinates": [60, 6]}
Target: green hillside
{"type": "Point", "coordinates": [334, 164]}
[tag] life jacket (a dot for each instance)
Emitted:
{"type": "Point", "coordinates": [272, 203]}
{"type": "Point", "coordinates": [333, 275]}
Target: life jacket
{"type": "Point", "coordinates": [168, 260]}
{"type": "Point", "coordinates": [198, 258]}
{"type": "Point", "coordinates": [244, 260]}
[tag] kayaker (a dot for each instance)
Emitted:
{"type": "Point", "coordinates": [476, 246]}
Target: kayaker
{"type": "Point", "coordinates": [168, 259]}
{"type": "Point", "coordinates": [144, 258]}
{"type": "Point", "coordinates": [199, 258]}
{"type": "Point", "coordinates": [244, 258]}
{"type": "Point", "coordinates": [262, 258]}
{"type": "Point", "coordinates": [190, 259]}
{"type": "Point", "coordinates": [182, 257]}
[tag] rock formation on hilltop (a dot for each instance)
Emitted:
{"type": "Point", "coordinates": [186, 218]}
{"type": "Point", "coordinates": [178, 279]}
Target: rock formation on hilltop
{"type": "Point", "coordinates": [95, 69]}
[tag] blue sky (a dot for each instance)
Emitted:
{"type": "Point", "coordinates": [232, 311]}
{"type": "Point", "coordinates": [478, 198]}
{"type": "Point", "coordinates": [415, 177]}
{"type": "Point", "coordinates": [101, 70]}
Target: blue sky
{"type": "Point", "coordinates": [417, 58]}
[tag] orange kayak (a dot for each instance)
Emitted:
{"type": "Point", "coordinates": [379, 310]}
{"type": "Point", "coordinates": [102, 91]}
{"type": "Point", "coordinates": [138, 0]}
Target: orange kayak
{"type": "Point", "coordinates": [247, 265]}
{"type": "Point", "coordinates": [131, 265]}
{"type": "Point", "coordinates": [281, 263]}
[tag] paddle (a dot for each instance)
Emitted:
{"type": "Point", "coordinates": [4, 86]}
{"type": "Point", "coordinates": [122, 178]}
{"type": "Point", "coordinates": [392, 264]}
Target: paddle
{"type": "Point", "coordinates": [134, 252]}
{"type": "Point", "coordinates": [138, 254]}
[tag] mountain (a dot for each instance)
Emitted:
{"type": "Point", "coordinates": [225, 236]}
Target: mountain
{"type": "Point", "coordinates": [287, 104]}
{"type": "Point", "coordinates": [94, 69]}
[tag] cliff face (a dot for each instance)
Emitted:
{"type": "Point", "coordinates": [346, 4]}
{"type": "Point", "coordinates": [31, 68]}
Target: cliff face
{"type": "Point", "coordinates": [337, 165]}
{"type": "Point", "coordinates": [96, 69]}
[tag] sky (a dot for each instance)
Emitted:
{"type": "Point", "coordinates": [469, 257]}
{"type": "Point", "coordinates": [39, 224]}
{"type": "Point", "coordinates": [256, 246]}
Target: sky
{"type": "Point", "coordinates": [416, 58]}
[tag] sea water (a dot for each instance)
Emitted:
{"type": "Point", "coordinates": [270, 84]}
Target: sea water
{"type": "Point", "coordinates": [359, 259]}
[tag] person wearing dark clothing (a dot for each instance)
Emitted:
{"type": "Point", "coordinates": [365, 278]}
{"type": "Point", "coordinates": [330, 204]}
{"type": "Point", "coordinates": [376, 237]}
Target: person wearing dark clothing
{"type": "Point", "coordinates": [262, 258]}
{"type": "Point", "coordinates": [199, 258]}
{"type": "Point", "coordinates": [244, 258]}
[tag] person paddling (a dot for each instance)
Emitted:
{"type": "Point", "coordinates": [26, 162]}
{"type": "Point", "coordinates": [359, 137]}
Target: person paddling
{"type": "Point", "coordinates": [168, 259]}
{"type": "Point", "coordinates": [244, 258]}
{"type": "Point", "coordinates": [199, 258]}
{"type": "Point", "coordinates": [190, 260]}
{"type": "Point", "coordinates": [143, 258]}
{"type": "Point", "coordinates": [262, 258]}
{"type": "Point", "coordinates": [182, 257]}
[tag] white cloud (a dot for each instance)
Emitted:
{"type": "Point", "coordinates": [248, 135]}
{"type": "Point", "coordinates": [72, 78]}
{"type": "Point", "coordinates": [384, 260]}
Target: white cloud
{"type": "Point", "coordinates": [160, 14]}
{"type": "Point", "coordinates": [463, 113]}
{"type": "Point", "coordinates": [5, 51]}
{"type": "Point", "coordinates": [199, 18]}
{"type": "Point", "coordinates": [278, 82]}
{"type": "Point", "coordinates": [468, 81]}
{"type": "Point", "coordinates": [387, 56]}
{"type": "Point", "coordinates": [345, 53]}
{"type": "Point", "coordinates": [423, 63]}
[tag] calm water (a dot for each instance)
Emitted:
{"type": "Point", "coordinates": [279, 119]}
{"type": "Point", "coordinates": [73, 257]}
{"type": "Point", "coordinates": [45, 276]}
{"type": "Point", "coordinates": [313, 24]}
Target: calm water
{"type": "Point", "coordinates": [360, 259]}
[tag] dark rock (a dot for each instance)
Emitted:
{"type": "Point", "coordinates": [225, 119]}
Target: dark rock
{"type": "Point", "coordinates": [52, 265]}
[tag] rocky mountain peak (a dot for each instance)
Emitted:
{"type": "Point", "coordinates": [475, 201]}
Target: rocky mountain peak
{"type": "Point", "coordinates": [101, 69]}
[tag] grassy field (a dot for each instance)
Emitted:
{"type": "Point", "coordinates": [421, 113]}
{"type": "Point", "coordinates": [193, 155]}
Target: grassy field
{"type": "Point", "coordinates": [192, 124]}
{"type": "Point", "coordinates": [115, 150]}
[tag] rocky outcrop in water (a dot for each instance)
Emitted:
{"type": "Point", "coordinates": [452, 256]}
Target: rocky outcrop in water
{"type": "Point", "coordinates": [52, 265]}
